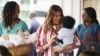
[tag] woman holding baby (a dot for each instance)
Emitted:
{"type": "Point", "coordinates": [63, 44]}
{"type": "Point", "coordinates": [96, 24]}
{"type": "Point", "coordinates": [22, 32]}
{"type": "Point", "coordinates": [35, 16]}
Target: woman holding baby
{"type": "Point", "coordinates": [47, 32]}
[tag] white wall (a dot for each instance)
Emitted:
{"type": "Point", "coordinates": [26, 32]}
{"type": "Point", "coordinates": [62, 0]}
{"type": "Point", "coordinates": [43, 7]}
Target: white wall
{"type": "Point", "coordinates": [73, 8]}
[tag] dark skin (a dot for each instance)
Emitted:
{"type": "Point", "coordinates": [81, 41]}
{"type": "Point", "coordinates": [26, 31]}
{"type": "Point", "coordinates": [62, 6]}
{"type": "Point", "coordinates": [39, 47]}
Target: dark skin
{"type": "Point", "coordinates": [60, 49]}
{"type": "Point", "coordinates": [88, 22]}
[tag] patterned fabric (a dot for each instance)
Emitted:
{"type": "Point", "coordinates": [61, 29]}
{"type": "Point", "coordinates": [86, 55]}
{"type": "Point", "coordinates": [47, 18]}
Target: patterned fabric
{"type": "Point", "coordinates": [43, 39]}
{"type": "Point", "coordinates": [20, 26]}
{"type": "Point", "coordinates": [89, 37]}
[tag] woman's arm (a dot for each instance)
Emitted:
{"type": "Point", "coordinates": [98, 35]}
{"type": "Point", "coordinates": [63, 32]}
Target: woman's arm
{"type": "Point", "coordinates": [46, 46]}
{"type": "Point", "coordinates": [60, 49]}
{"type": "Point", "coordinates": [76, 44]}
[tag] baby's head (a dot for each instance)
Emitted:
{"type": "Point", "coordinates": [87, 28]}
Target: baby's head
{"type": "Point", "coordinates": [68, 22]}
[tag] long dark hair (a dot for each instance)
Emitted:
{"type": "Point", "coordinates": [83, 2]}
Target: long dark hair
{"type": "Point", "coordinates": [4, 51]}
{"type": "Point", "coordinates": [8, 12]}
{"type": "Point", "coordinates": [92, 13]}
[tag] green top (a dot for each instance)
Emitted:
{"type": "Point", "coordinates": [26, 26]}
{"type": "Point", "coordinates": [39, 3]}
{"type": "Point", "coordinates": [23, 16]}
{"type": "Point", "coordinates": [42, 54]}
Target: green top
{"type": "Point", "coordinates": [20, 26]}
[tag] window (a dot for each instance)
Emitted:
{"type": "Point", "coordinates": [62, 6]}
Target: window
{"type": "Point", "coordinates": [34, 1]}
{"type": "Point", "coordinates": [3, 1]}
{"type": "Point", "coordinates": [40, 13]}
{"type": "Point", "coordinates": [24, 1]}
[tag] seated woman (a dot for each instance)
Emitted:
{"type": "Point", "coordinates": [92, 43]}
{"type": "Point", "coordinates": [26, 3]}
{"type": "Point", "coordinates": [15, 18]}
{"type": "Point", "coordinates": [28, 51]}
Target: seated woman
{"type": "Point", "coordinates": [11, 22]}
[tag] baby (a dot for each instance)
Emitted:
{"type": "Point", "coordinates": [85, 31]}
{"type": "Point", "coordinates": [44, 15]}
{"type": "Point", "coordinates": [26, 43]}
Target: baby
{"type": "Point", "coordinates": [66, 33]}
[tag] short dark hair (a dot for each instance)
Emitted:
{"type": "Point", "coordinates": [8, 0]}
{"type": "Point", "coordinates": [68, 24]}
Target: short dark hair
{"type": "Point", "coordinates": [68, 22]}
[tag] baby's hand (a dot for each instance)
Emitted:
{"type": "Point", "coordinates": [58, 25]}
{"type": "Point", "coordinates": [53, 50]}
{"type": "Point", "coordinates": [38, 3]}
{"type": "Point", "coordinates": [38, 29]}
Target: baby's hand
{"type": "Point", "coordinates": [53, 36]}
{"type": "Point", "coordinates": [20, 33]}
{"type": "Point", "coordinates": [6, 37]}
{"type": "Point", "coordinates": [52, 39]}
{"type": "Point", "coordinates": [26, 33]}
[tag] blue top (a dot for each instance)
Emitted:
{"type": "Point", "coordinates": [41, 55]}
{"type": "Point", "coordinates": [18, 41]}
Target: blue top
{"type": "Point", "coordinates": [20, 26]}
{"type": "Point", "coordinates": [34, 26]}
{"type": "Point", "coordinates": [89, 37]}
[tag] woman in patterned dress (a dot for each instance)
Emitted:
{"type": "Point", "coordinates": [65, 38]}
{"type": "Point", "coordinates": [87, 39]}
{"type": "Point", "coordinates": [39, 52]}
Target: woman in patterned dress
{"type": "Point", "coordinates": [51, 26]}
{"type": "Point", "coordinates": [89, 31]}
{"type": "Point", "coordinates": [46, 33]}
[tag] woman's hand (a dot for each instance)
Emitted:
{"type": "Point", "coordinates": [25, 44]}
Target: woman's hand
{"type": "Point", "coordinates": [77, 41]}
{"type": "Point", "coordinates": [52, 40]}
{"type": "Point", "coordinates": [58, 49]}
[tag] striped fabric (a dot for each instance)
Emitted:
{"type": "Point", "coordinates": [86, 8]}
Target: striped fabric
{"type": "Point", "coordinates": [43, 39]}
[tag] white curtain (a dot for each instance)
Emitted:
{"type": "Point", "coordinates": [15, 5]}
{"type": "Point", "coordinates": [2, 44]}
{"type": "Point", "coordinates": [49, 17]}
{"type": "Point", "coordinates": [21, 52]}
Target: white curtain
{"type": "Point", "coordinates": [73, 8]}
